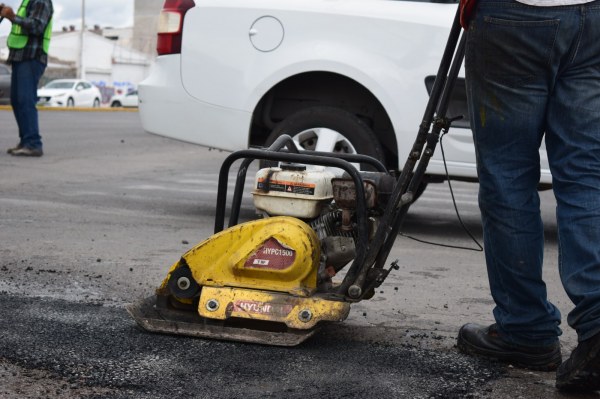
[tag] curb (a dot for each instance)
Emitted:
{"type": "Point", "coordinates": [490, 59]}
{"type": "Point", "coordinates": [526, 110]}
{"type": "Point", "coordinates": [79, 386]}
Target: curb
{"type": "Point", "coordinates": [77, 109]}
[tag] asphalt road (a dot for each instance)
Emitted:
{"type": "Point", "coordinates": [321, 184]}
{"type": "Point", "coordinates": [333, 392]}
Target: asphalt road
{"type": "Point", "coordinates": [95, 224]}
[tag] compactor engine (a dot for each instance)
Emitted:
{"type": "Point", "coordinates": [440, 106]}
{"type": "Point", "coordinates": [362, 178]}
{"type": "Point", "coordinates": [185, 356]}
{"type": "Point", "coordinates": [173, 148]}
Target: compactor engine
{"type": "Point", "coordinates": [274, 276]}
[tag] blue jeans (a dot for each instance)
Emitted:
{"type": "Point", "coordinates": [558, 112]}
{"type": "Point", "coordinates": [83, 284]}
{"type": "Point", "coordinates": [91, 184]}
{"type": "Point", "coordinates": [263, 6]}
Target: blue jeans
{"type": "Point", "coordinates": [23, 96]}
{"type": "Point", "coordinates": [534, 72]}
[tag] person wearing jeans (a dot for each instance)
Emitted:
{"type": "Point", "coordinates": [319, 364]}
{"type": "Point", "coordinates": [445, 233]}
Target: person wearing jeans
{"type": "Point", "coordinates": [28, 44]}
{"type": "Point", "coordinates": [533, 74]}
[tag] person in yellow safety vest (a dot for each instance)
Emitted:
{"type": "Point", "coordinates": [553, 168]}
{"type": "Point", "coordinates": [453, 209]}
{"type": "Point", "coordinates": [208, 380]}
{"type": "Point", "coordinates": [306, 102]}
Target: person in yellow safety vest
{"type": "Point", "coordinates": [28, 43]}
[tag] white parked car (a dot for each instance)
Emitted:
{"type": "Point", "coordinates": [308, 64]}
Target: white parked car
{"type": "Point", "coordinates": [69, 93]}
{"type": "Point", "coordinates": [345, 76]}
{"type": "Point", "coordinates": [125, 100]}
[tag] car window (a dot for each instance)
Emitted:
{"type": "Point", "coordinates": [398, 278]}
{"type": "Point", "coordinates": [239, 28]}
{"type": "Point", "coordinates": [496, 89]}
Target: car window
{"type": "Point", "coordinates": [132, 93]}
{"type": "Point", "coordinates": [79, 86]}
{"type": "Point", "coordinates": [60, 85]}
{"type": "Point", "coordinates": [86, 85]}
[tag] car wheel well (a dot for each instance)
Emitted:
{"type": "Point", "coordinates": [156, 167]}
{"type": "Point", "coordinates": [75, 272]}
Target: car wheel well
{"type": "Point", "coordinates": [323, 89]}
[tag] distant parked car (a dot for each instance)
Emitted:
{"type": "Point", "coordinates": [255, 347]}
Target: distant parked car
{"type": "Point", "coordinates": [125, 100]}
{"type": "Point", "coordinates": [69, 93]}
{"type": "Point", "coordinates": [5, 75]}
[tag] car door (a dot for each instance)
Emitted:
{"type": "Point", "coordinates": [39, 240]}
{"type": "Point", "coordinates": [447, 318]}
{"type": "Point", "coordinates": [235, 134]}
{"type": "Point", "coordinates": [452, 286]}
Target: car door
{"type": "Point", "coordinates": [90, 93]}
{"type": "Point", "coordinates": [79, 95]}
{"type": "Point", "coordinates": [86, 93]}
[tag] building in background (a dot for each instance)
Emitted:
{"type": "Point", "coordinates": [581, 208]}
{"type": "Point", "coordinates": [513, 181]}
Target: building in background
{"type": "Point", "coordinates": [106, 63]}
{"type": "Point", "coordinates": [123, 36]}
{"type": "Point", "coordinates": [145, 22]}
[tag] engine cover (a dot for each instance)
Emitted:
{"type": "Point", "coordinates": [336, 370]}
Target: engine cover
{"type": "Point", "coordinates": [292, 190]}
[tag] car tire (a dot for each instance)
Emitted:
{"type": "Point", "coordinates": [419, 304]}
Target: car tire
{"type": "Point", "coordinates": [329, 129]}
{"type": "Point", "coordinates": [115, 104]}
{"type": "Point", "coordinates": [96, 103]}
{"type": "Point", "coordinates": [70, 102]}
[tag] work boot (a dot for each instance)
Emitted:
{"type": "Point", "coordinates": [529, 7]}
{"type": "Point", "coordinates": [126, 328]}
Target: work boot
{"type": "Point", "coordinates": [581, 371]}
{"type": "Point", "coordinates": [475, 339]}
{"type": "Point", "coordinates": [27, 152]}
{"type": "Point", "coordinates": [11, 150]}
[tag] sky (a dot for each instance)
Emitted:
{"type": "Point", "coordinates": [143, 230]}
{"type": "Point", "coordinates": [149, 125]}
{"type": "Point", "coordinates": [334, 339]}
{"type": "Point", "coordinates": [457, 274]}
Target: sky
{"type": "Point", "coordinates": [113, 13]}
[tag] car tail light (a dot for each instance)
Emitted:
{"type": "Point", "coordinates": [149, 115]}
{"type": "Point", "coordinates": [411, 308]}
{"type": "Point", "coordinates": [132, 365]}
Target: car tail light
{"type": "Point", "coordinates": [170, 24]}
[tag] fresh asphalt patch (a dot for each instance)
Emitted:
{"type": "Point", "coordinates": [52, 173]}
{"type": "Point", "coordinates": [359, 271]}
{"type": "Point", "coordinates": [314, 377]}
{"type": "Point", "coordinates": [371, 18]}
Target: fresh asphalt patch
{"type": "Point", "coordinates": [98, 352]}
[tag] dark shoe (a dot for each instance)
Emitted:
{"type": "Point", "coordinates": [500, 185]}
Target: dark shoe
{"type": "Point", "coordinates": [11, 150]}
{"type": "Point", "coordinates": [581, 371]}
{"type": "Point", "coordinates": [475, 339]}
{"type": "Point", "coordinates": [27, 152]}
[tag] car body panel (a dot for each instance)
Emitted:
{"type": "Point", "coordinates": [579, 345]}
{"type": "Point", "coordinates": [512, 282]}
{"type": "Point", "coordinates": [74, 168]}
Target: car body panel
{"type": "Point", "coordinates": [229, 124]}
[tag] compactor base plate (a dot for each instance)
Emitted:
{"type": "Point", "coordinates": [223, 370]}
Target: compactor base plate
{"type": "Point", "coordinates": [168, 320]}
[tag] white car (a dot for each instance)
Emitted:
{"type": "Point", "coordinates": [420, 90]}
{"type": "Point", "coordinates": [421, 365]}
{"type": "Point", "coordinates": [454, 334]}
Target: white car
{"type": "Point", "coordinates": [69, 93]}
{"type": "Point", "coordinates": [125, 100]}
{"type": "Point", "coordinates": [337, 75]}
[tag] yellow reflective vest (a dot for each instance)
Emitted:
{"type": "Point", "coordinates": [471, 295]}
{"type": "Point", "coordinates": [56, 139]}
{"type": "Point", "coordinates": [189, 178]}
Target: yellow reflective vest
{"type": "Point", "coordinates": [18, 40]}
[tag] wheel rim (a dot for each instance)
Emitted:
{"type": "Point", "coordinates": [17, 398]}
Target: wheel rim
{"type": "Point", "coordinates": [325, 140]}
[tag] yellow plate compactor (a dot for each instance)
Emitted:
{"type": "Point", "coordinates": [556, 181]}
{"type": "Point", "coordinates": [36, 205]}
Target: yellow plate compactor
{"type": "Point", "coordinates": [321, 242]}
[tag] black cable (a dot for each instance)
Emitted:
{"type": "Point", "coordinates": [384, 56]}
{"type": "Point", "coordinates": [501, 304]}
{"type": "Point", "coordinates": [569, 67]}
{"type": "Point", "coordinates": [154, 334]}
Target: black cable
{"type": "Point", "coordinates": [465, 228]}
